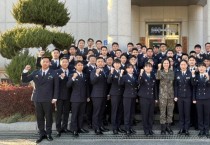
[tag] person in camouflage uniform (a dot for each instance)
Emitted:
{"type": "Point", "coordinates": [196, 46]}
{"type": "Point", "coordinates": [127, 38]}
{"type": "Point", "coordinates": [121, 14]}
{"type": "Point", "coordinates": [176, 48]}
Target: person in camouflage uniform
{"type": "Point", "coordinates": [166, 96]}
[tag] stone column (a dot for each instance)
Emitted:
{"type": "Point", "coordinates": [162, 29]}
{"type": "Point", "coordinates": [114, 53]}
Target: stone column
{"type": "Point", "coordinates": [119, 22]}
{"type": "Point", "coordinates": [195, 13]}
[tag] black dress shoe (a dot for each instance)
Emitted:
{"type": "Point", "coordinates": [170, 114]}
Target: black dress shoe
{"type": "Point", "coordinates": [207, 134]}
{"type": "Point", "coordinates": [115, 132]}
{"type": "Point", "coordinates": [187, 133]}
{"type": "Point", "coordinates": [168, 129]}
{"type": "Point", "coordinates": [75, 134]}
{"type": "Point", "coordinates": [132, 131]}
{"type": "Point", "coordinates": [58, 134]}
{"type": "Point", "coordinates": [82, 130]}
{"type": "Point", "coordinates": [40, 139]}
{"type": "Point", "coordinates": [151, 132]}
{"type": "Point", "coordinates": [201, 133]}
{"type": "Point", "coordinates": [49, 138]}
{"type": "Point", "coordinates": [181, 131]}
{"type": "Point", "coordinates": [121, 130]}
{"type": "Point", "coordinates": [128, 133]}
{"type": "Point", "coordinates": [98, 132]}
{"type": "Point", "coordinates": [65, 131]}
{"type": "Point", "coordinates": [103, 129]}
{"type": "Point", "coordinates": [146, 133]}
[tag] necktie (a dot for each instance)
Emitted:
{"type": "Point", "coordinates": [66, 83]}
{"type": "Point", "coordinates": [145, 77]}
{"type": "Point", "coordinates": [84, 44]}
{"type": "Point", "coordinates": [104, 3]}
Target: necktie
{"type": "Point", "coordinates": [81, 76]}
{"type": "Point", "coordinates": [202, 76]}
{"type": "Point", "coordinates": [43, 74]}
{"type": "Point", "coordinates": [183, 74]}
{"type": "Point", "coordinates": [66, 74]}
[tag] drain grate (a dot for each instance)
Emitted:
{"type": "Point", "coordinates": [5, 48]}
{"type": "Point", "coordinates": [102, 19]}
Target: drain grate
{"type": "Point", "coordinates": [106, 136]}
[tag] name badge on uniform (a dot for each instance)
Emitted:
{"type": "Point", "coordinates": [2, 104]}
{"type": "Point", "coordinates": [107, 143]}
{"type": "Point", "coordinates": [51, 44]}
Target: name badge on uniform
{"type": "Point", "coordinates": [116, 76]}
{"type": "Point", "coordinates": [187, 78]}
{"type": "Point", "coordinates": [50, 77]}
{"type": "Point", "coordinates": [145, 80]}
{"type": "Point", "coordinates": [36, 76]}
{"type": "Point", "coordinates": [178, 78]}
{"type": "Point", "coordinates": [129, 81]}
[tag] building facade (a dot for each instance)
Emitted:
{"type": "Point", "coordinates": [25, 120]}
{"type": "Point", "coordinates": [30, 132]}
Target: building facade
{"type": "Point", "coordinates": [146, 21]}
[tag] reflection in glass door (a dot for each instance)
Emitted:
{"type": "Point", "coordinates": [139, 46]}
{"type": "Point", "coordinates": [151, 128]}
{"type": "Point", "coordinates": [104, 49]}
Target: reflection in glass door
{"type": "Point", "coordinates": [168, 33]}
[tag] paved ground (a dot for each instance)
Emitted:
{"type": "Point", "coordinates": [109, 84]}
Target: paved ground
{"type": "Point", "coordinates": [19, 137]}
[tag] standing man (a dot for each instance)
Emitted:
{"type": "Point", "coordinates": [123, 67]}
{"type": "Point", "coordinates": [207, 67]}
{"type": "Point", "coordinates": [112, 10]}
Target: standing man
{"type": "Point", "coordinates": [63, 102]}
{"type": "Point", "coordinates": [98, 79]}
{"type": "Point", "coordinates": [45, 94]}
{"type": "Point", "coordinates": [79, 84]}
{"type": "Point", "coordinates": [202, 99]}
{"type": "Point", "coordinates": [183, 91]}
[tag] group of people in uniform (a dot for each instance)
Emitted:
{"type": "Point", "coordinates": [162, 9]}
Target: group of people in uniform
{"type": "Point", "coordinates": [83, 79]}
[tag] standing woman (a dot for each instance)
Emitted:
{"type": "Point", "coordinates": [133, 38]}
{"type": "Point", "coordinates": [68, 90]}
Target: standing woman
{"type": "Point", "coordinates": [166, 96]}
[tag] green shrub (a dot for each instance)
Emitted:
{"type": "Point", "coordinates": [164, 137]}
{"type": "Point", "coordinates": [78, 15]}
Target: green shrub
{"type": "Point", "coordinates": [15, 67]}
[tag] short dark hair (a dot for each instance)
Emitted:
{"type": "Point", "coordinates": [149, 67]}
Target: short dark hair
{"type": "Point", "coordinates": [202, 64]}
{"type": "Point", "coordinates": [148, 64]}
{"type": "Point", "coordinates": [91, 56]}
{"type": "Point", "coordinates": [130, 43]}
{"type": "Point", "coordinates": [184, 61]}
{"type": "Point", "coordinates": [197, 46]}
{"type": "Point", "coordinates": [192, 57]}
{"type": "Point", "coordinates": [64, 58]}
{"type": "Point", "coordinates": [56, 49]}
{"type": "Point", "coordinates": [192, 52]}
{"type": "Point", "coordinates": [116, 61]}
{"type": "Point", "coordinates": [43, 57]}
{"type": "Point", "coordinates": [80, 41]}
{"type": "Point", "coordinates": [163, 44]}
{"type": "Point", "coordinates": [98, 41]}
{"type": "Point", "coordinates": [77, 62]}
{"type": "Point", "coordinates": [149, 49]}
{"type": "Point", "coordinates": [129, 65]}
{"type": "Point", "coordinates": [132, 56]}
{"type": "Point", "coordinates": [104, 47]}
{"type": "Point", "coordinates": [139, 44]}
{"type": "Point", "coordinates": [118, 50]}
{"type": "Point", "coordinates": [207, 43]}
{"type": "Point", "coordinates": [123, 55]}
{"type": "Point", "coordinates": [73, 46]}
{"type": "Point", "coordinates": [115, 43]}
{"type": "Point", "coordinates": [178, 45]}
{"type": "Point", "coordinates": [99, 58]}
{"type": "Point", "coordinates": [134, 49]}
{"type": "Point", "coordinates": [90, 39]}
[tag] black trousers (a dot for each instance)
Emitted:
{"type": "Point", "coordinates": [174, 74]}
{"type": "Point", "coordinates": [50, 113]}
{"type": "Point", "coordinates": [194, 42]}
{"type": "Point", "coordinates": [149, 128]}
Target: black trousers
{"type": "Point", "coordinates": [128, 112]}
{"type": "Point", "coordinates": [78, 112]}
{"type": "Point", "coordinates": [147, 111]}
{"type": "Point", "coordinates": [184, 106]}
{"type": "Point", "coordinates": [99, 105]}
{"type": "Point", "coordinates": [203, 109]}
{"type": "Point", "coordinates": [62, 115]}
{"type": "Point", "coordinates": [89, 111]}
{"type": "Point", "coordinates": [116, 111]}
{"type": "Point", "coordinates": [194, 115]}
{"type": "Point", "coordinates": [44, 111]}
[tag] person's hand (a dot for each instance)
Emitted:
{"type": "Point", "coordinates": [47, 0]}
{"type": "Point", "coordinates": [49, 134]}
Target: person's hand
{"type": "Point", "coordinates": [159, 66]}
{"type": "Point", "coordinates": [207, 76]}
{"type": "Point", "coordinates": [28, 67]}
{"type": "Point", "coordinates": [141, 72]}
{"type": "Point", "coordinates": [54, 101]}
{"type": "Point", "coordinates": [112, 70]}
{"type": "Point", "coordinates": [62, 75]}
{"type": "Point", "coordinates": [156, 101]}
{"type": "Point", "coordinates": [71, 58]}
{"type": "Point", "coordinates": [193, 72]}
{"type": "Point", "coordinates": [74, 76]}
{"type": "Point", "coordinates": [175, 99]}
{"type": "Point", "coordinates": [98, 71]}
{"type": "Point", "coordinates": [88, 99]}
{"type": "Point", "coordinates": [194, 102]}
{"type": "Point", "coordinates": [121, 72]}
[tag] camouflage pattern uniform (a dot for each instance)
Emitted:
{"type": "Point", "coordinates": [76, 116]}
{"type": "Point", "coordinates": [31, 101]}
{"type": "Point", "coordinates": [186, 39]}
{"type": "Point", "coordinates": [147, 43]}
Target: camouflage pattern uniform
{"type": "Point", "coordinates": [166, 95]}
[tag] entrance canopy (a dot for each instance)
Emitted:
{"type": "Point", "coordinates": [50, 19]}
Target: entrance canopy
{"type": "Point", "coordinates": [168, 2]}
